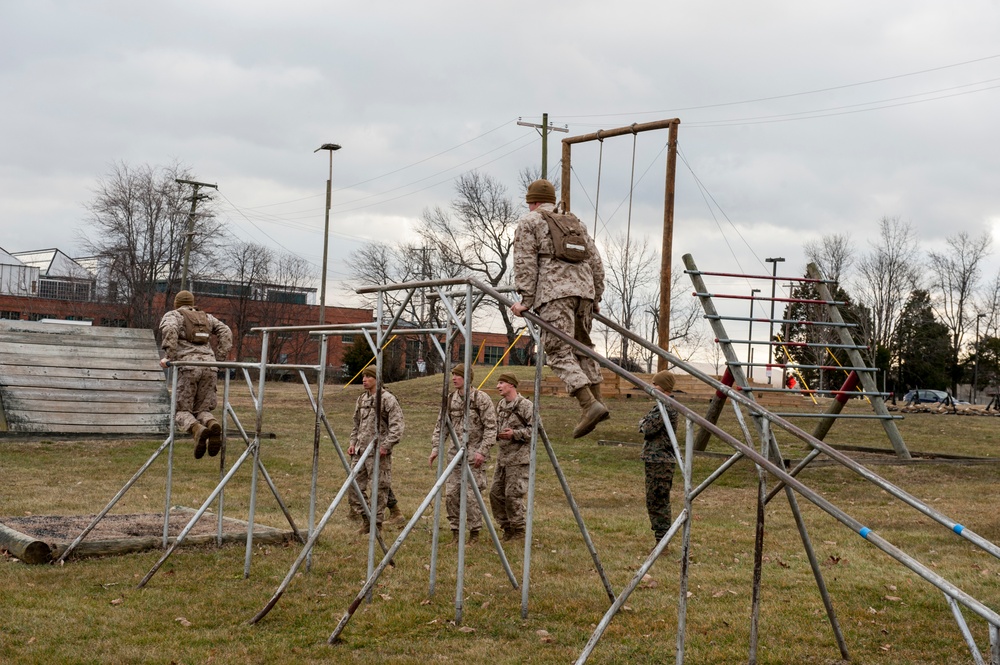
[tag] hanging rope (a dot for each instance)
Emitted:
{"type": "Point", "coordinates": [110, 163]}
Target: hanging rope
{"type": "Point", "coordinates": [628, 243]}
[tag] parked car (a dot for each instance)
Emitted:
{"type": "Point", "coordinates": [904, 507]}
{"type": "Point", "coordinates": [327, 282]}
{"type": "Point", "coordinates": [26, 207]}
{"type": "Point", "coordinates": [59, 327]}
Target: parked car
{"type": "Point", "coordinates": [927, 397]}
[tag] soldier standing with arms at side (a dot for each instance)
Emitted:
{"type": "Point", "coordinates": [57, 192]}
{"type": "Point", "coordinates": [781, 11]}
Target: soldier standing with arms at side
{"type": "Point", "coordinates": [187, 332]}
{"type": "Point", "coordinates": [658, 456]}
{"type": "Point", "coordinates": [482, 436]}
{"type": "Point", "coordinates": [510, 479]}
{"type": "Point", "coordinates": [362, 433]}
{"type": "Point", "coordinates": [559, 274]}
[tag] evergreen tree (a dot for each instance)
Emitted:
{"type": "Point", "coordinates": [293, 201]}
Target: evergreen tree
{"type": "Point", "coordinates": [924, 346]}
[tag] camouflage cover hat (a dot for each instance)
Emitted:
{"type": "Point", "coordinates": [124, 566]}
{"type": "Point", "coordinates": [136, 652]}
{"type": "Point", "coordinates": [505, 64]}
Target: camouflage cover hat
{"type": "Point", "coordinates": [369, 371]}
{"type": "Point", "coordinates": [664, 380]}
{"type": "Point", "coordinates": [541, 191]}
{"type": "Point", "coordinates": [183, 298]}
{"type": "Point", "coordinates": [459, 370]}
{"type": "Point", "coordinates": [508, 378]}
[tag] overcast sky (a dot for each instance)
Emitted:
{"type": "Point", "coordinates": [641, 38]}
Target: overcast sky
{"type": "Point", "coordinates": [798, 118]}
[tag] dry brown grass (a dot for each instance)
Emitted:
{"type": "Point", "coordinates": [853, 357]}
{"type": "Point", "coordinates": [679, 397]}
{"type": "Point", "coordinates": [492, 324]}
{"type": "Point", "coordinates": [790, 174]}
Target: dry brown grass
{"type": "Point", "coordinates": [89, 610]}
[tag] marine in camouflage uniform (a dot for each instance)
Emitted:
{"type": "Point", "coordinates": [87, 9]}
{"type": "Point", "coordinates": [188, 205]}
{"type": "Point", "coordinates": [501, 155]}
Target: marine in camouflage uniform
{"type": "Point", "coordinates": [482, 436]}
{"type": "Point", "coordinates": [510, 479]}
{"type": "Point", "coordinates": [563, 294]}
{"type": "Point", "coordinates": [196, 396]}
{"type": "Point", "coordinates": [362, 433]}
{"type": "Point", "coordinates": [658, 456]}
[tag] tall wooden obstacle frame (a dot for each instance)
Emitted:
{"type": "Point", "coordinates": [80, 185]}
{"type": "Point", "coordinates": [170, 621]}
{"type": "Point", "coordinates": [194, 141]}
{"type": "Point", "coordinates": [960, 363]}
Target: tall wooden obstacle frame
{"type": "Point", "coordinates": [72, 379]}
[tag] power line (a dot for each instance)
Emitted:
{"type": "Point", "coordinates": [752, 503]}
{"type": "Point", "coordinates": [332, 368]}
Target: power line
{"type": "Point", "coordinates": [788, 95]}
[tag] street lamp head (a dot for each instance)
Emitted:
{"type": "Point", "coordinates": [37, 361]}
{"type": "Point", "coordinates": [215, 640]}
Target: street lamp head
{"type": "Point", "coordinates": [328, 146]}
{"type": "Point", "coordinates": [777, 259]}
{"type": "Point", "coordinates": [753, 291]}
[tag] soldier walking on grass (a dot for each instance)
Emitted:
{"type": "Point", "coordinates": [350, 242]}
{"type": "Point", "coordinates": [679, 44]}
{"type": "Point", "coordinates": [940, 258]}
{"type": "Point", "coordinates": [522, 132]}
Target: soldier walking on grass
{"type": "Point", "coordinates": [187, 334]}
{"type": "Point", "coordinates": [390, 430]}
{"type": "Point", "coordinates": [559, 274]}
{"type": "Point", "coordinates": [510, 479]}
{"type": "Point", "coordinates": [658, 456]}
{"type": "Point", "coordinates": [482, 436]}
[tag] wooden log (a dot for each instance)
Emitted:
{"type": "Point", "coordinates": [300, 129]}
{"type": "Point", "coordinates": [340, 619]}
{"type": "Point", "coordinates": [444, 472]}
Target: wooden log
{"type": "Point", "coordinates": [25, 548]}
{"type": "Point", "coordinates": [125, 373]}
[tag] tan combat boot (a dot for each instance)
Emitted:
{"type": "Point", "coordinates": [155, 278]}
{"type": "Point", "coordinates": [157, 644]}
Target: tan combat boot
{"type": "Point", "coordinates": [396, 515]}
{"type": "Point", "coordinates": [454, 537]}
{"type": "Point", "coordinates": [595, 390]}
{"type": "Point", "coordinates": [593, 412]}
{"type": "Point", "coordinates": [473, 537]}
{"type": "Point", "coordinates": [200, 435]}
{"type": "Point", "coordinates": [214, 437]}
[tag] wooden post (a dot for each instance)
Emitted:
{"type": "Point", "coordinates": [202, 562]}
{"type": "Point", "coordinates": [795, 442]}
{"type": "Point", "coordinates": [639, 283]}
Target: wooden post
{"type": "Point", "coordinates": [666, 253]}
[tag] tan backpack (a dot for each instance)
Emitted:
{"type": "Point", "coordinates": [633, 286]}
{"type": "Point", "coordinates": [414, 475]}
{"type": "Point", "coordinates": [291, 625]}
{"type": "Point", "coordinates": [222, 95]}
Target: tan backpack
{"type": "Point", "coordinates": [569, 236]}
{"type": "Point", "coordinates": [197, 329]}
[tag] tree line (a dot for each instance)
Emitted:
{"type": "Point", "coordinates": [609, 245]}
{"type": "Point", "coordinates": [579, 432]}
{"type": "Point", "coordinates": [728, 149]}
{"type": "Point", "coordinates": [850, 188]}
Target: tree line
{"type": "Point", "coordinates": [927, 320]}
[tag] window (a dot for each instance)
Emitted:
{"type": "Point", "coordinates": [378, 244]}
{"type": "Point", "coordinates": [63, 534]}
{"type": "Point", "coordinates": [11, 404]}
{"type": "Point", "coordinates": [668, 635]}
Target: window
{"type": "Point", "coordinates": [492, 354]}
{"type": "Point", "coordinates": [347, 339]}
{"type": "Point", "coordinates": [9, 315]}
{"type": "Point", "coordinates": [114, 323]}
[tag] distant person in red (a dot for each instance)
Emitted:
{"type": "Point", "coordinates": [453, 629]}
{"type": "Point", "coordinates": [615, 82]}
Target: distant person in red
{"type": "Point", "coordinates": [791, 383]}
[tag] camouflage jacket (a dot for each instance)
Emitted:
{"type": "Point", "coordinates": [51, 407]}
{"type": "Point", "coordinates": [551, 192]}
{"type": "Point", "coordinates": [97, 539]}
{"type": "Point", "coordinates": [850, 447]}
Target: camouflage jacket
{"type": "Point", "coordinates": [391, 422]}
{"type": "Point", "coordinates": [540, 277]}
{"type": "Point", "coordinates": [482, 423]}
{"type": "Point", "coordinates": [657, 446]}
{"type": "Point", "coordinates": [516, 415]}
{"type": "Point", "coordinates": [178, 348]}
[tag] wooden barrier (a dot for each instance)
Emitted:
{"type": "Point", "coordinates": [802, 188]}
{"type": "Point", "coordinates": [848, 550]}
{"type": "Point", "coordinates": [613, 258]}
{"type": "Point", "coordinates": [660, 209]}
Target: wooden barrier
{"type": "Point", "coordinates": [62, 378]}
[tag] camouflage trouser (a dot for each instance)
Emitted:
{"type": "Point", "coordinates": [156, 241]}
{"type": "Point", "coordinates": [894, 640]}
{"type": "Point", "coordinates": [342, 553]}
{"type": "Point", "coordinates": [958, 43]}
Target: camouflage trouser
{"type": "Point", "coordinates": [510, 485]}
{"type": "Point", "coordinates": [453, 498]}
{"type": "Point", "coordinates": [364, 480]}
{"type": "Point", "coordinates": [573, 316]}
{"type": "Point", "coordinates": [659, 478]}
{"type": "Point", "coordinates": [195, 396]}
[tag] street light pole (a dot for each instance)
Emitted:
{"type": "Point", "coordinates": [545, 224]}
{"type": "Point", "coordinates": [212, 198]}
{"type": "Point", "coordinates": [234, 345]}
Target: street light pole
{"type": "Point", "coordinates": [331, 147]}
{"type": "Point", "coordinates": [774, 282]}
{"type": "Point", "coordinates": [750, 336]}
{"type": "Point", "coordinates": [975, 372]}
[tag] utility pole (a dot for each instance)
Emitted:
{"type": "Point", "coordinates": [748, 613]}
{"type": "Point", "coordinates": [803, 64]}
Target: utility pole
{"type": "Point", "coordinates": [195, 197]}
{"type": "Point", "coordinates": [544, 130]}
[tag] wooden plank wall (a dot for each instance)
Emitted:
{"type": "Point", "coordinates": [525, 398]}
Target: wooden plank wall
{"type": "Point", "coordinates": [61, 378]}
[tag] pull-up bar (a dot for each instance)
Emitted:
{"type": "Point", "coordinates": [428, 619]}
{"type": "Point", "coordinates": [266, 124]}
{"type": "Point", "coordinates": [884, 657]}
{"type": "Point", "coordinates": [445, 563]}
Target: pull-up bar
{"type": "Point", "coordinates": [769, 278]}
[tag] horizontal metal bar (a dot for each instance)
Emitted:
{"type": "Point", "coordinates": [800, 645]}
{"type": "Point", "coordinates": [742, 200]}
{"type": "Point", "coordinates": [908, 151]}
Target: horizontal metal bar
{"type": "Point", "coordinates": [234, 365]}
{"type": "Point", "coordinates": [395, 331]}
{"type": "Point", "coordinates": [793, 322]}
{"type": "Point", "coordinates": [806, 391]}
{"type": "Point", "coordinates": [858, 416]}
{"type": "Point", "coordinates": [733, 296]}
{"type": "Point", "coordinates": [798, 345]}
{"type": "Point", "coordinates": [770, 278]}
{"type": "Point", "coordinates": [846, 368]}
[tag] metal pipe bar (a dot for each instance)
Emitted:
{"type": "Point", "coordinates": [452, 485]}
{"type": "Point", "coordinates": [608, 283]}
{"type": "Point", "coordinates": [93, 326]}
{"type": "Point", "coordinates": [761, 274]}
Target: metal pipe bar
{"type": "Point", "coordinates": [970, 641]}
{"type": "Point", "coordinates": [736, 457]}
{"type": "Point", "coordinates": [689, 442]}
{"type": "Point", "coordinates": [764, 319]}
{"type": "Point", "coordinates": [492, 530]}
{"type": "Point", "coordinates": [399, 286]}
{"type": "Point", "coordinates": [317, 422]}
{"type": "Point", "coordinates": [194, 519]}
{"type": "Point", "coordinates": [358, 330]}
{"type": "Point", "coordinates": [222, 460]}
{"type": "Point", "coordinates": [466, 472]}
{"type": "Point", "coordinates": [831, 368]}
{"type": "Point", "coordinates": [737, 296]}
{"type": "Point", "coordinates": [844, 460]}
{"type": "Point", "coordinates": [813, 454]}
{"type": "Point", "coordinates": [170, 455]}
{"type": "Point", "coordinates": [313, 537]}
{"type": "Point", "coordinates": [811, 391]}
{"type": "Point", "coordinates": [768, 278]}
{"type": "Point", "coordinates": [630, 587]}
{"type": "Point", "coordinates": [529, 518]}
{"type": "Point", "coordinates": [111, 504]}
{"type": "Point", "coordinates": [838, 416]}
{"type": "Point", "coordinates": [994, 645]}
{"type": "Point", "coordinates": [258, 430]}
{"type": "Point", "coordinates": [235, 365]}
{"type": "Point", "coordinates": [370, 582]}
{"type": "Point", "coordinates": [758, 548]}
{"type": "Point", "coordinates": [797, 345]}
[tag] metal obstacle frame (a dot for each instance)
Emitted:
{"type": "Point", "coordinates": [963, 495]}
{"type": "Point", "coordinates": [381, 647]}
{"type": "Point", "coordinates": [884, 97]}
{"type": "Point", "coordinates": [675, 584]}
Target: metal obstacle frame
{"type": "Point", "coordinates": [459, 323]}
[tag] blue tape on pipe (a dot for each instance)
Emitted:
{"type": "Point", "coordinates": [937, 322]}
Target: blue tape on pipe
{"type": "Point", "coordinates": [865, 531]}
{"type": "Point", "coordinates": [958, 528]}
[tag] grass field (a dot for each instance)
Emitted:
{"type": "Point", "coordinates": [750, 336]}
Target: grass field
{"type": "Point", "coordinates": [194, 610]}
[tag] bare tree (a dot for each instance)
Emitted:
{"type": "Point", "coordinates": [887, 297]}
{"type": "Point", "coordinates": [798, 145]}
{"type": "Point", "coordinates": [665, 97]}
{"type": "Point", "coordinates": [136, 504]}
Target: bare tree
{"type": "Point", "coordinates": [476, 236]}
{"type": "Point", "coordinates": [138, 227]}
{"type": "Point", "coordinates": [887, 273]}
{"type": "Point", "coordinates": [833, 253]}
{"type": "Point", "coordinates": [955, 274]}
{"type": "Point", "coordinates": [630, 268]}
{"type": "Point", "coordinates": [247, 266]}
